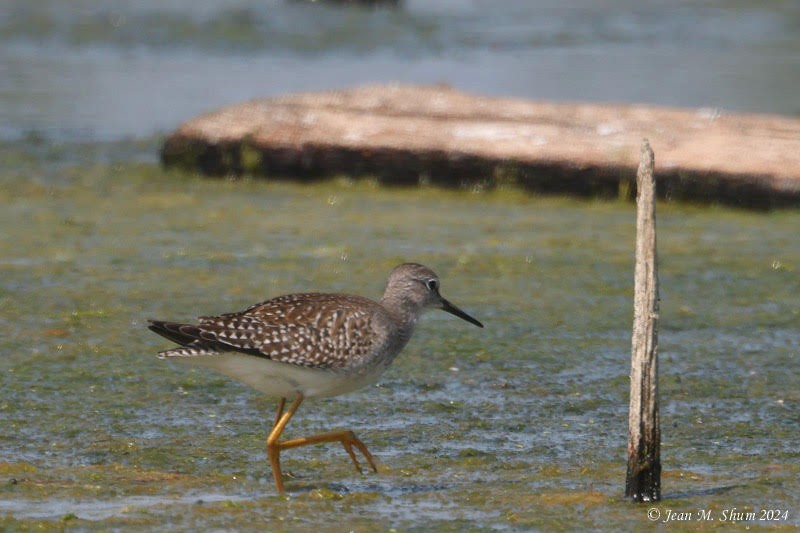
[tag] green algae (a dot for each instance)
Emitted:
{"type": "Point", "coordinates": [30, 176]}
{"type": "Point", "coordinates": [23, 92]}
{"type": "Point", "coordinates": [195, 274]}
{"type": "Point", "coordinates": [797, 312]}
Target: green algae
{"type": "Point", "coordinates": [521, 425]}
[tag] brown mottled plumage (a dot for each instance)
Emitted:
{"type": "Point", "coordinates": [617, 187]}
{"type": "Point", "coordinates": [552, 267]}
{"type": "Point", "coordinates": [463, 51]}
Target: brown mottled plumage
{"type": "Point", "coordinates": [310, 345]}
{"type": "Point", "coordinates": [312, 330]}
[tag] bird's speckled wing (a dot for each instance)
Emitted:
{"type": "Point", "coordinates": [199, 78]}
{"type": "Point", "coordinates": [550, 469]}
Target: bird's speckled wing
{"type": "Point", "coordinates": [311, 330]}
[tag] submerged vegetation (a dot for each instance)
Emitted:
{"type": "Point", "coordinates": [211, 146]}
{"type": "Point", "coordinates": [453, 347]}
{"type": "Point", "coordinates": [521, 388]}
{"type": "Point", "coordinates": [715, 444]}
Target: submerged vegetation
{"type": "Point", "coordinates": [520, 425]}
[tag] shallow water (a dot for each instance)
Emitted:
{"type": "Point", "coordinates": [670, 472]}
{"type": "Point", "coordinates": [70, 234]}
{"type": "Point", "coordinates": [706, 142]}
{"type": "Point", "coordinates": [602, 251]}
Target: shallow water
{"type": "Point", "coordinates": [521, 425]}
{"type": "Point", "coordinates": [110, 69]}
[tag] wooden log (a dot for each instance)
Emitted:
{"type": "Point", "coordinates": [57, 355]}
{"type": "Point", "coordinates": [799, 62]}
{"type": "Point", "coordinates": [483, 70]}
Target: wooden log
{"type": "Point", "coordinates": [643, 481]}
{"type": "Point", "coordinates": [408, 135]}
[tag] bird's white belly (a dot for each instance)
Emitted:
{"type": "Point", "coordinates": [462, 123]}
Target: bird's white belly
{"type": "Point", "coordinates": [284, 380]}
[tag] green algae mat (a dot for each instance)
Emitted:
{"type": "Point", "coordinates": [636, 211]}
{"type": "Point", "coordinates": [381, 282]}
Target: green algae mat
{"type": "Point", "coordinates": [518, 426]}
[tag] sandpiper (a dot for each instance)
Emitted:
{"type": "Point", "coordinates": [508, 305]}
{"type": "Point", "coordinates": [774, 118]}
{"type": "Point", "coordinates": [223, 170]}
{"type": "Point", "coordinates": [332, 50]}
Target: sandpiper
{"type": "Point", "coordinates": [311, 345]}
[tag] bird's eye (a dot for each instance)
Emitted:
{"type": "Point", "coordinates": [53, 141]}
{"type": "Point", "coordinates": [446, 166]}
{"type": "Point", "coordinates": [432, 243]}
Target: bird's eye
{"type": "Point", "coordinates": [432, 284]}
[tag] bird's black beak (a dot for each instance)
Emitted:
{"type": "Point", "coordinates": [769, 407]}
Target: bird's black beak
{"type": "Point", "coordinates": [453, 310]}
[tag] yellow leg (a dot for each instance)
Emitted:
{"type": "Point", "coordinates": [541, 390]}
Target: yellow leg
{"type": "Point", "coordinates": [278, 414]}
{"type": "Point", "coordinates": [346, 437]}
{"type": "Point", "coordinates": [274, 446]}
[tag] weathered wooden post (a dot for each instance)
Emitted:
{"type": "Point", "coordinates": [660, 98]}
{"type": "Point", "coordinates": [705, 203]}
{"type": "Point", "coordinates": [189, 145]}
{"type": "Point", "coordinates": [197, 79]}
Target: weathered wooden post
{"type": "Point", "coordinates": [643, 482]}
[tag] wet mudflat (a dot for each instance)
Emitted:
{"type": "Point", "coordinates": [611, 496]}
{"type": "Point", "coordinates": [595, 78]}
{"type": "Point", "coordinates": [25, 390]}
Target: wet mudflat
{"type": "Point", "coordinates": [521, 425]}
